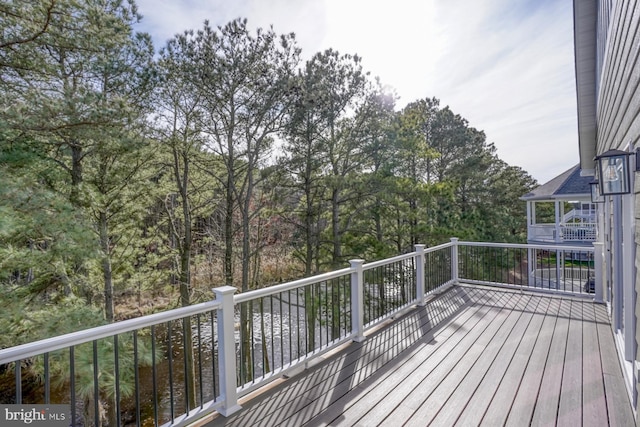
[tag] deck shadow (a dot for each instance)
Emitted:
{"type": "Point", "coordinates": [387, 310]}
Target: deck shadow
{"type": "Point", "coordinates": [319, 394]}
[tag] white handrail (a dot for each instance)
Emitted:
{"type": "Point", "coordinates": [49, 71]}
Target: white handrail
{"type": "Point", "coordinates": [382, 262]}
{"type": "Point", "coordinates": [271, 290]}
{"type": "Point", "coordinates": [276, 289]}
{"type": "Point", "coordinates": [47, 345]}
{"type": "Point", "coordinates": [565, 248]}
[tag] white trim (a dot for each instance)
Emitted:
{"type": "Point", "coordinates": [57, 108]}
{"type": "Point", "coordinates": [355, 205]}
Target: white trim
{"type": "Point", "coordinates": [529, 220]}
{"type": "Point", "coordinates": [628, 271]}
{"type": "Point", "coordinates": [598, 259]}
{"type": "Point", "coordinates": [606, 238]}
{"type": "Point", "coordinates": [633, 162]}
{"type": "Point", "coordinates": [616, 261]}
{"type": "Point", "coordinates": [557, 224]}
{"type": "Point", "coordinates": [626, 366]}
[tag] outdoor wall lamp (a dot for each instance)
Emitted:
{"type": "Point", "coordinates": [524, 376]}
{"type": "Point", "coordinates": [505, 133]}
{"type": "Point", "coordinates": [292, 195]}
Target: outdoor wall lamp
{"type": "Point", "coordinates": [596, 197]}
{"type": "Point", "coordinates": [613, 166]}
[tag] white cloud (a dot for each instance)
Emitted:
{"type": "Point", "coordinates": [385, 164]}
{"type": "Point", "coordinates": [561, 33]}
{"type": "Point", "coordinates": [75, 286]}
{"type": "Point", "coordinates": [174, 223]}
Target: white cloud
{"type": "Point", "coordinates": [510, 73]}
{"type": "Point", "coordinates": [504, 65]}
{"type": "Point", "coordinates": [163, 19]}
{"type": "Point", "coordinates": [395, 40]}
{"type": "Point", "coordinates": [306, 18]}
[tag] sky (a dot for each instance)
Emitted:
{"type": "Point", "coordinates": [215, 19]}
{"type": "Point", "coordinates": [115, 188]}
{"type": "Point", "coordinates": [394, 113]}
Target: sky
{"type": "Point", "coordinates": [504, 65]}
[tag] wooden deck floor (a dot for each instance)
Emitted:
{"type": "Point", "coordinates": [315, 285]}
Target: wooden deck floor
{"type": "Point", "coordinates": [473, 356]}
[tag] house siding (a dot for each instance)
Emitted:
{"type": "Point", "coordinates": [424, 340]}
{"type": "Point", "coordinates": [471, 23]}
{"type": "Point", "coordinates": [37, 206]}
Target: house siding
{"type": "Point", "coordinates": [604, 15]}
{"type": "Point", "coordinates": [618, 99]}
{"type": "Point", "coordinates": [619, 96]}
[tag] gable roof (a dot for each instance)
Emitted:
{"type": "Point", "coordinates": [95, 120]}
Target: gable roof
{"type": "Point", "coordinates": [569, 183]}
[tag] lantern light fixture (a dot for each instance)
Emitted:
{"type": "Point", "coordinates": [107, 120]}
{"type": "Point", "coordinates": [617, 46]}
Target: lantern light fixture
{"type": "Point", "coordinates": [613, 168]}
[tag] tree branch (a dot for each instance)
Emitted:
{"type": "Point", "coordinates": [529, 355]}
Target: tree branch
{"type": "Point", "coordinates": [40, 32]}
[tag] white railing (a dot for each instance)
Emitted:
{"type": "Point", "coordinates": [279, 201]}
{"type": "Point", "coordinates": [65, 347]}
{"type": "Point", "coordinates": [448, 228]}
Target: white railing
{"type": "Point", "coordinates": [582, 215]}
{"type": "Point", "coordinates": [578, 232]}
{"type": "Point", "coordinates": [542, 232]}
{"type": "Point", "coordinates": [108, 362]}
{"type": "Point", "coordinates": [204, 357]}
{"type": "Point", "coordinates": [570, 232]}
{"type": "Point", "coordinates": [240, 342]}
{"type": "Point", "coordinates": [552, 268]}
{"type": "Point", "coordinates": [311, 316]}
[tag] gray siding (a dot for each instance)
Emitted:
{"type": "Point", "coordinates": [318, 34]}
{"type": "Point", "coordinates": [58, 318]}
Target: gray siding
{"type": "Point", "coordinates": [604, 14]}
{"type": "Point", "coordinates": [618, 106]}
{"type": "Point", "coordinates": [619, 94]}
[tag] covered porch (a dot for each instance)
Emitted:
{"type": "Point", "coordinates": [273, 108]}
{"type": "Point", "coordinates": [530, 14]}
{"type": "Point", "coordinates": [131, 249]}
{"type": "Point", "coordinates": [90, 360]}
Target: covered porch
{"type": "Point", "coordinates": [561, 212]}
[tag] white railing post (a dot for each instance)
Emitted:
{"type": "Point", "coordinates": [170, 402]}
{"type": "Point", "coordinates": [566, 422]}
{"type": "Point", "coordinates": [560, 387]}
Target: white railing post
{"type": "Point", "coordinates": [559, 267]}
{"type": "Point", "coordinates": [598, 258]}
{"type": "Point", "coordinates": [420, 274]}
{"type": "Point", "coordinates": [558, 229]}
{"type": "Point", "coordinates": [357, 299]}
{"type": "Point", "coordinates": [529, 221]}
{"type": "Point", "coordinates": [454, 260]}
{"type": "Point", "coordinates": [531, 268]}
{"type": "Point", "coordinates": [227, 351]}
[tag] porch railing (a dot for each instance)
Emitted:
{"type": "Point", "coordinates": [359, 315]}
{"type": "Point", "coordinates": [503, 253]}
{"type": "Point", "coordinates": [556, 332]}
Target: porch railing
{"type": "Point", "coordinates": [578, 232]}
{"type": "Point", "coordinates": [566, 269]}
{"type": "Point", "coordinates": [566, 232]}
{"type": "Point", "coordinates": [174, 367]}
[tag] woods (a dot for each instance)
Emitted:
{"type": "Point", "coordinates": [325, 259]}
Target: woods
{"type": "Point", "coordinates": [136, 178]}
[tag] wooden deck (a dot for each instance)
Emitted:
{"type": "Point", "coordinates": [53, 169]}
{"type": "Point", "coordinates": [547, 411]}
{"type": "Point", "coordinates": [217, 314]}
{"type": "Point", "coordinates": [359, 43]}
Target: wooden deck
{"type": "Point", "coordinates": [472, 356]}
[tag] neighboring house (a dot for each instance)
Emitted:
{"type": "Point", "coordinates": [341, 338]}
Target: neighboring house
{"type": "Point", "coordinates": [560, 213]}
{"type": "Point", "coordinates": [570, 217]}
{"type": "Point", "coordinates": [607, 51]}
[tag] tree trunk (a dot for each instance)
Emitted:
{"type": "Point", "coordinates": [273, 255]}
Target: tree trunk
{"type": "Point", "coordinates": [378, 220]}
{"type": "Point", "coordinates": [413, 221]}
{"type": "Point", "coordinates": [309, 232]}
{"type": "Point", "coordinates": [337, 258]}
{"type": "Point", "coordinates": [246, 247]}
{"type": "Point", "coordinates": [399, 231]}
{"type": "Point", "coordinates": [185, 293]}
{"type": "Point", "coordinates": [107, 273]}
{"type": "Point", "coordinates": [181, 164]}
{"type": "Point", "coordinates": [247, 347]}
{"type": "Point", "coordinates": [335, 224]}
{"type": "Point", "coordinates": [228, 224]}
{"type": "Point", "coordinates": [76, 174]}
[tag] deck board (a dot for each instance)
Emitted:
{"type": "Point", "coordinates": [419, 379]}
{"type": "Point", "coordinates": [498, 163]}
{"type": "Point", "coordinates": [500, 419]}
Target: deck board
{"type": "Point", "coordinates": [375, 395]}
{"type": "Point", "coordinates": [424, 373]}
{"type": "Point", "coordinates": [454, 403]}
{"type": "Point", "coordinates": [358, 384]}
{"type": "Point", "coordinates": [472, 356]}
{"type": "Point", "coordinates": [570, 408]}
{"type": "Point", "coordinates": [523, 336]}
{"type": "Point", "coordinates": [453, 367]}
{"type": "Point", "coordinates": [454, 358]}
{"type": "Point", "coordinates": [546, 407]}
{"type": "Point", "coordinates": [502, 400]}
{"type": "Point", "coordinates": [615, 391]}
{"type": "Point", "coordinates": [594, 407]}
{"type": "Point", "coordinates": [524, 403]}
